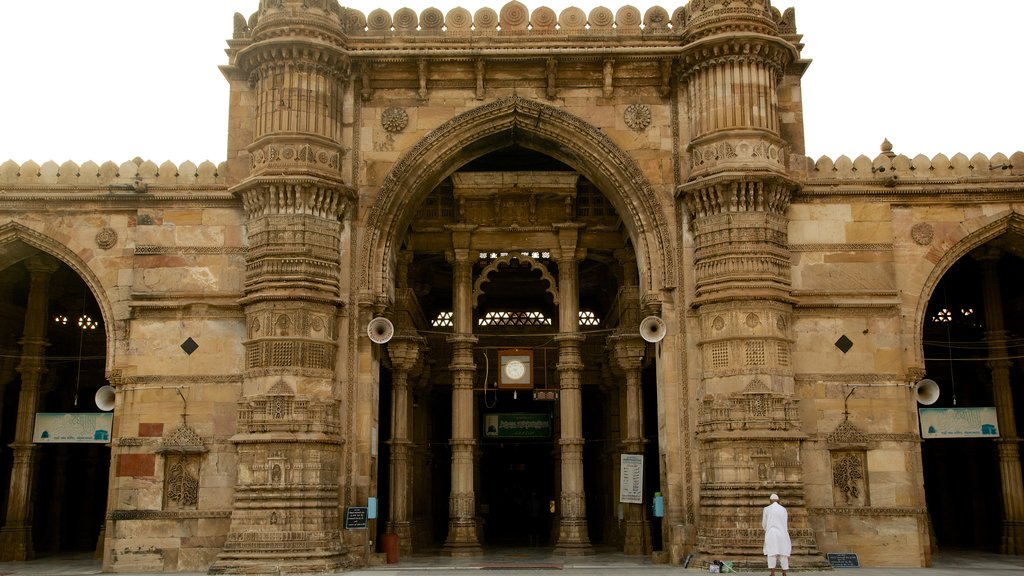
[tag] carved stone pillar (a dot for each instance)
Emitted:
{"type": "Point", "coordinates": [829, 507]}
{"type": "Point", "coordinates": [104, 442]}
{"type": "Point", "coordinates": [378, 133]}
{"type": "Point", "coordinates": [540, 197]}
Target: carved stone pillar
{"type": "Point", "coordinates": [463, 536]}
{"type": "Point", "coordinates": [736, 198]}
{"type": "Point", "coordinates": [285, 515]}
{"type": "Point", "coordinates": [627, 350]}
{"type": "Point", "coordinates": [16, 535]}
{"type": "Point", "coordinates": [404, 351]}
{"type": "Point", "coordinates": [1008, 441]}
{"type": "Point", "coordinates": [572, 521]}
{"type": "Point", "coordinates": [613, 403]}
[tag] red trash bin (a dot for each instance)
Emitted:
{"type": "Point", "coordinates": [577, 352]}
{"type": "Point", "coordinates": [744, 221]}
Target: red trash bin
{"type": "Point", "coordinates": [389, 544]}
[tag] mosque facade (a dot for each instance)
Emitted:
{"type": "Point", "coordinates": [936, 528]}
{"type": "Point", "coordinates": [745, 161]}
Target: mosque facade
{"type": "Point", "coordinates": [468, 282]}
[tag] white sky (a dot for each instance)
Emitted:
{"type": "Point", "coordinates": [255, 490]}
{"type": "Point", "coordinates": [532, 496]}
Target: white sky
{"type": "Point", "coordinates": [114, 79]}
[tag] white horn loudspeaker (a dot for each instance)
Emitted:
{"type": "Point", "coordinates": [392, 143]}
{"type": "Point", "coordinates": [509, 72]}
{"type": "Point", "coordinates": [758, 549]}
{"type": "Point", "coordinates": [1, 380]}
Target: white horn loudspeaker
{"type": "Point", "coordinates": [652, 329]}
{"type": "Point", "coordinates": [380, 330]}
{"type": "Point", "coordinates": [926, 392]}
{"type": "Point", "coordinates": [105, 398]}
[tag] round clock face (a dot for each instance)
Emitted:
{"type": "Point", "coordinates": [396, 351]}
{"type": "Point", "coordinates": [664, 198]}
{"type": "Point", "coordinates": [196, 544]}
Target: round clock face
{"type": "Point", "coordinates": [515, 369]}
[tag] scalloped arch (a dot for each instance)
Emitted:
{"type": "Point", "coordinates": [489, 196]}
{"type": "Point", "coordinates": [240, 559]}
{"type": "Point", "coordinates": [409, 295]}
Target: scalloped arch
{"type": "Point", "coordinates": [1010, 221]}
{"type": "Point", "coordinates": [484, 278]}
{"type": "Point", "coordinates": [536, 126]}
{"type": "Point", "coordinates": [13, 232]}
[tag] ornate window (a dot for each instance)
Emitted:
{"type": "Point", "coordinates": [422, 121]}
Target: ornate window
{"type": "Point", "coordinates": [506, 318]}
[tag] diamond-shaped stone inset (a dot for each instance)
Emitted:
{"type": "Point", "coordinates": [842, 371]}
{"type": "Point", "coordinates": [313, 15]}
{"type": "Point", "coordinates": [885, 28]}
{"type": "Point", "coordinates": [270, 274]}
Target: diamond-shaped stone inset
{"type": "Point", "coordinates": [844, 344]}
{"type": "Point", "coordinates": [189, 346]}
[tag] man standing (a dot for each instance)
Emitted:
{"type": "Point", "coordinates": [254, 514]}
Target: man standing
{"type": "Point", "coordinates": [777, 545]}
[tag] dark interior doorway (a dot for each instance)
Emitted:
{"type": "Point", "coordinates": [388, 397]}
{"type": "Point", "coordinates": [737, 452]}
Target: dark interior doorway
{"type": "Point", "coordinates": [70, 480]}
{"type": "Point", "coordinates": [963, 485]}
{"type": "Point", "coordinates": [517, 488]}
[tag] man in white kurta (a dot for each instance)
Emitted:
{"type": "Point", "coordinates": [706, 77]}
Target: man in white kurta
{"type": "Point", "coordinates": [777, 545]}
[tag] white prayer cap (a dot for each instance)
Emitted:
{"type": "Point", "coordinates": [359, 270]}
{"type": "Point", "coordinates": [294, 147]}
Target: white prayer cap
{"type": "Point", "coordinates": [774, 497]}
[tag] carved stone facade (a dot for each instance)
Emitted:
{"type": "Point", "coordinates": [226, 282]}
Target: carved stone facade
{"type": "Point", "coordinates": [494, 183]}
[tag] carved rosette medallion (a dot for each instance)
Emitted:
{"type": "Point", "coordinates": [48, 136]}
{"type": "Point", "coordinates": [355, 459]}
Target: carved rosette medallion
{"type": "Point", "coordinates": [922, 233]}
{"type": "Point", "coordinates": [637, 117]}
{"type": "Point", "coordinates": [394, 119]}
{"type": "Point", "coordinates": [106, 238]}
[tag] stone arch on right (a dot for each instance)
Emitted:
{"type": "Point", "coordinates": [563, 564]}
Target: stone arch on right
{"type": "Point", "coordinates": [971, 347]}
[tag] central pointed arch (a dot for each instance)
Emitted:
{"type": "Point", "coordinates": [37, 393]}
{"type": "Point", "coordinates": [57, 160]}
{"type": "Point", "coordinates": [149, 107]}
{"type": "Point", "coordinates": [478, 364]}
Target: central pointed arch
{"type": "Point", "coordinates": [532, 125]}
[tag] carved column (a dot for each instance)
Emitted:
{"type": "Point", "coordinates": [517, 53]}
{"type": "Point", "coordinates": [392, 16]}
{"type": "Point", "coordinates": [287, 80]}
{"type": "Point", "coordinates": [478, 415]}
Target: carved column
{"type": "Point", "coordinates": [627, 350]}
{"type": "Point", "coordinates": [463, 536]}
{"type": "Point", "coordinates": [404, 351]}
{"type": "Point", "coordinates": [1008, 441]}
{"type": "Point", "coordinates": [16, 535]}
{"type": "Point", "coordinates": [613, 414]}
{"type": "Point", "coordinates": [572, 521]}
{"type": "Point", "coordinates": [285, 515]}
{"type": "Point", "coordinates": [736, 198]}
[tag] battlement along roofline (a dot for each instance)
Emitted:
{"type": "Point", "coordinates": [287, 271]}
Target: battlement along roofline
{"type": "Point", "coordinates": [897, 168]}
{"type": "Point", "coordinates": [90, 174]}
{"type": "Point", "coordinates": [516, 20]}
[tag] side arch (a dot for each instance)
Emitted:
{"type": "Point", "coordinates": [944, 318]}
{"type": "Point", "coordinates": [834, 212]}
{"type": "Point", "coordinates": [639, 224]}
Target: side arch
{"type": "Point", "coordinates": [983, 233]}
{"type": "Point", "coordinates": [536, 126]}
{"type": "Point", "coordinates": [13, 233]}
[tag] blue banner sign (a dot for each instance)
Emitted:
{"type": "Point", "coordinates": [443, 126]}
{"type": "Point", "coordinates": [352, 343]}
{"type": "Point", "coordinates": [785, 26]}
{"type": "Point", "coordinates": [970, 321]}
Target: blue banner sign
{"type": "Point", "coordinates": [978, 422]}
{"type": "Point", "coordinates": [73, 427]}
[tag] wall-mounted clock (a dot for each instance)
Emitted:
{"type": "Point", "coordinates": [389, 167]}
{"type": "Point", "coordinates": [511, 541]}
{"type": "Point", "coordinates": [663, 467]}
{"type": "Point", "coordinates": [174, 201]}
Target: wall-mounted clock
{"type": "Point", "coordinates": [515, 369]}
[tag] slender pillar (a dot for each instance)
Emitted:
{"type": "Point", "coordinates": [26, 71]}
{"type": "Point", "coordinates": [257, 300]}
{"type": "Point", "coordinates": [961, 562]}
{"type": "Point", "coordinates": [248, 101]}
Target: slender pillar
{"type": "Point", "coordinates": [613, 533]}
{"type": "Point", "coordinates": [628, 349]}
{"type": "Point", "coordinates": [404, 351]}
{"type": "Point", "coordinates": [463, 539]}
{"type": "Point", "coordinates": [1008, 441]}
{"type": "Point", "coordinates": [16, 535]}
{"type": "Point", "coordinates": [572, 522]}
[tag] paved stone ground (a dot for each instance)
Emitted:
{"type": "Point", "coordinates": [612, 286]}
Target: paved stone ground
{"type": "Point", "coordinates": [539, 563]}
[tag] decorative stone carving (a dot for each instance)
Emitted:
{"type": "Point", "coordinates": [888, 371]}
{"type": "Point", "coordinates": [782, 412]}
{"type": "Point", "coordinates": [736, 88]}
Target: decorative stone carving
{"type": "Point", "coordinates": [922, 233]}
{"type": "Point", "coordinates": [637, 117]}
{"type": "Point", "coordinates": [106, 238]}
{"type": "Point", "coordinates": [849, 478]}
{"type": "Point", "coordinates": [394, 119]}
{"type": "Point", "coordinates": [181, 483]}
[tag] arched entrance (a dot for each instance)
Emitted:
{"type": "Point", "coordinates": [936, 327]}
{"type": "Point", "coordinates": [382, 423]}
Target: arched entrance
{"type": "Point", "coordinates": [514, 261]}
{"type": "Point", "coordinates": [972, 346]}
{"type": "Point", "coordinates": [54, 474]}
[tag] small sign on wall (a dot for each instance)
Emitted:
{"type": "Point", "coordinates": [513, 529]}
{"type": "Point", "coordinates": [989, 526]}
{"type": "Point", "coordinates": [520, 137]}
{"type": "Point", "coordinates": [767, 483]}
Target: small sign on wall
{"type": "Point", "coordinates": [356, 517]}
{"type": "Point", "coordinates": [631, 478]}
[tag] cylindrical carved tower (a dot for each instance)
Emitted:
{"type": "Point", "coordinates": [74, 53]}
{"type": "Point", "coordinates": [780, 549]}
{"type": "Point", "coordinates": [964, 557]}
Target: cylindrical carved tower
{"type": "Point", "coordinates": [285, 513]}
{"type": "Point", "coordinates": [736, 198]}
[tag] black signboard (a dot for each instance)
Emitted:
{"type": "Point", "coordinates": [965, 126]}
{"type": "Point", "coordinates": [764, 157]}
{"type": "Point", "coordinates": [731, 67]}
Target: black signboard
{"type": "Point", "coordinates": [843, 559]}
{"type": "Point", "coordinates": [355, 517]}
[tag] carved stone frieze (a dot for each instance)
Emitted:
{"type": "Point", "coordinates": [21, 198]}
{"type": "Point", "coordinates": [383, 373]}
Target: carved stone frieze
{"type": "Point", "coordinates": [295, 156]}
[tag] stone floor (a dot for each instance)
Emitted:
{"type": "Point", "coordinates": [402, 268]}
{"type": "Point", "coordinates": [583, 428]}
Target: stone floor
{"type": "Point", "coordinates": [526, 562]}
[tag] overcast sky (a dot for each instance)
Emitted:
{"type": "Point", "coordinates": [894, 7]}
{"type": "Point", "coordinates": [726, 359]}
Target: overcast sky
{"type": "Point", "coordinates": [114, 79]}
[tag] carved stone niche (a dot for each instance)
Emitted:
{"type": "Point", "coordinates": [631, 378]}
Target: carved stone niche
{"type": "Point", "coordinates": [182, 450]}
{"type": "Point", "coordinates": [848, 448]}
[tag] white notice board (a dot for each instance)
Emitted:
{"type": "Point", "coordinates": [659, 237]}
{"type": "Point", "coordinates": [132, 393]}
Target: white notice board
{"type": "Point", "coordinates": [631, 479]}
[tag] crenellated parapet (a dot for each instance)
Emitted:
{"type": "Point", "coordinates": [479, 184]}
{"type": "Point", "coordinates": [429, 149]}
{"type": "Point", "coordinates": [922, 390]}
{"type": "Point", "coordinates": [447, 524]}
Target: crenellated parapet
{"type": "Point", "coordinates": [514, 19]}
{"type": "Point", "coordinates": [893, 169]}
{"type": "Point", "coordinates": [89, 175]}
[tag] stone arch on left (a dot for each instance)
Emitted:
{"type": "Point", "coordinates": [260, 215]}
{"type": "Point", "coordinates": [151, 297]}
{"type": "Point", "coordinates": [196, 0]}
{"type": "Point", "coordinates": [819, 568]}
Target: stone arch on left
{"type": "Point", "coordinates": [55, 355]}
